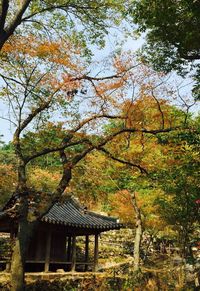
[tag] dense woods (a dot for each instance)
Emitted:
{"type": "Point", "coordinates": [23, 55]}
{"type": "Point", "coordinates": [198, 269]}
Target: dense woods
{"type": "Point", "coordinates": [117, 133]}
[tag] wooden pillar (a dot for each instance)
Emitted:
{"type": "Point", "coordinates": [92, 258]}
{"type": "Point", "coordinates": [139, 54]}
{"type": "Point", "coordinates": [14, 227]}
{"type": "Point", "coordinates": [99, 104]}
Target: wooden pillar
{"type": "Point", "coordinates": [69, 243]}
{"type": "Point", "coordinates": [48, 252]}
{"type": "Point", "coordinates": [38, 247]}
{"type": "Point", "coordinates": [86, 251]}
{"type": "Point", "coordinates": [73, 265]}
{"type": "Point", "coordinates": [96, 252]}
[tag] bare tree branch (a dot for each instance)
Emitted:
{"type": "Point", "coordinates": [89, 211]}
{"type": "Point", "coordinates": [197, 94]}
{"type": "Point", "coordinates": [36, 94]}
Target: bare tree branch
{"type": "Point", "coordinates": [8, 119]}
{"type": "Point", "coordinates": [142, 170]}
{"type": "Point", "coordinates": [159, 109]}
{"type": "Point", "coordinates": [35, 112]}
{"type": "Point", "coordinates": [104, 141]}
{"type": "Point", "coordinates": [86, 121]}
{"type": "Point", "coordinates": [53, 150]}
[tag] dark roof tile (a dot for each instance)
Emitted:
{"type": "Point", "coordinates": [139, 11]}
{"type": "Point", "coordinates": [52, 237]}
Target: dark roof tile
{"type": "Point", "coordinates": [71, 213]}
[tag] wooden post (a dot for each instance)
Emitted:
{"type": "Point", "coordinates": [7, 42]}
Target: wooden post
{"type": "Point", "coordinates": [73, 265]}
{"type": "Point", "coordinates": [96, 252]}
{"type": "Point", "coordinates": [48, 252]}
{"type": "Point", "coordinates": [86, 251]}
{"type": "Point", "coordinates": [69, 243]}
{"type": "Point", "coordinates": [38, 247]}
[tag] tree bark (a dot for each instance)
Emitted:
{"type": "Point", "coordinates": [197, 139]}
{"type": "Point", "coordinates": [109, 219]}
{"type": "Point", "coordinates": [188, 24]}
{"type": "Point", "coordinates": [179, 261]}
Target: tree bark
{"type": "Point", "coordinates": [7, 31]}
{"type": "Point", "coordinates": [18, 260]}
{"type": "Point", "coordinates": [21, 244]}
{"type": "Point", "coordinates": [138, 233]}
{"type": "Point", "coordinates": [22, 240]}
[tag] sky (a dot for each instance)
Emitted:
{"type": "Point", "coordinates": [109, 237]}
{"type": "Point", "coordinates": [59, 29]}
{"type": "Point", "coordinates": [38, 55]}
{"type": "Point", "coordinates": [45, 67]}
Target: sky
{"type": "Point", "coordinates": [5, 126]}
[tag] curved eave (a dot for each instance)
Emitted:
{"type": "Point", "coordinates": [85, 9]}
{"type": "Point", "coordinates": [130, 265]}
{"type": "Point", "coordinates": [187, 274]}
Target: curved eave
{"type": "Point", "coordinates": [109, 226]}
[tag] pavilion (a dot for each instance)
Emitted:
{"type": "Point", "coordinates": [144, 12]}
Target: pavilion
{"type": "Point", "coordinates": [54, 243]}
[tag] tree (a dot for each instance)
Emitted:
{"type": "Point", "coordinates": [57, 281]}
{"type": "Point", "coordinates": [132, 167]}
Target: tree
{"type": "Point", "coordinates": [7, 182]}
{"type": "Point", "coordinates": [46, 78]}
{"type": "Point", "coordinates": [180, 181]}
{"type": "Point", "coordinates": [172, 35]}
{"type": "Point", "coordinates": [124, 204]}
{"type": "Point", "coordinates": [7, 172]}
{"type": "Point", "coordinates": [80, 20]}
{"type": "Point", "coordinates": [121, 183]}
{"type": "Point", "coordinates": [152, 155]}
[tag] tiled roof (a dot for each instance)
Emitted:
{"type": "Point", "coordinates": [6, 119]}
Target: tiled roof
{"type": "Point", "coordinates": [71, 213]}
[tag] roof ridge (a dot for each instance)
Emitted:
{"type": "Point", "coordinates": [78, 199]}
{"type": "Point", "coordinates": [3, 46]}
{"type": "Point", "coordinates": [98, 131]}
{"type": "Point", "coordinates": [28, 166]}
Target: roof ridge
{"type": "Point", "coordinates": [76, 203]}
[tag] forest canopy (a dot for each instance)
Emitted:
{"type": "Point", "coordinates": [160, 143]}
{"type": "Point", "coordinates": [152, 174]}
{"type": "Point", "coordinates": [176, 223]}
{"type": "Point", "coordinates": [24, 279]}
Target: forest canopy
{"type": "Point", "coordinates": [172, 35]}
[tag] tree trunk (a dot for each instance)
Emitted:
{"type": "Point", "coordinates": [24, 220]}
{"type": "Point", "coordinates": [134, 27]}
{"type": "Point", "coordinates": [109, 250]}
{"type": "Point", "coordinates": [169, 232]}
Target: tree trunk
{"type": "Point", "coordinates": [18, 260]}
{"type": "Point", "coordinates": [184, 243]}
{"type": "Point", "coordinates": [26, 228]}
{"type": "Point", "coordinates": [138, 233]}
{"type": "Point", "coordinates": [24, 234]}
